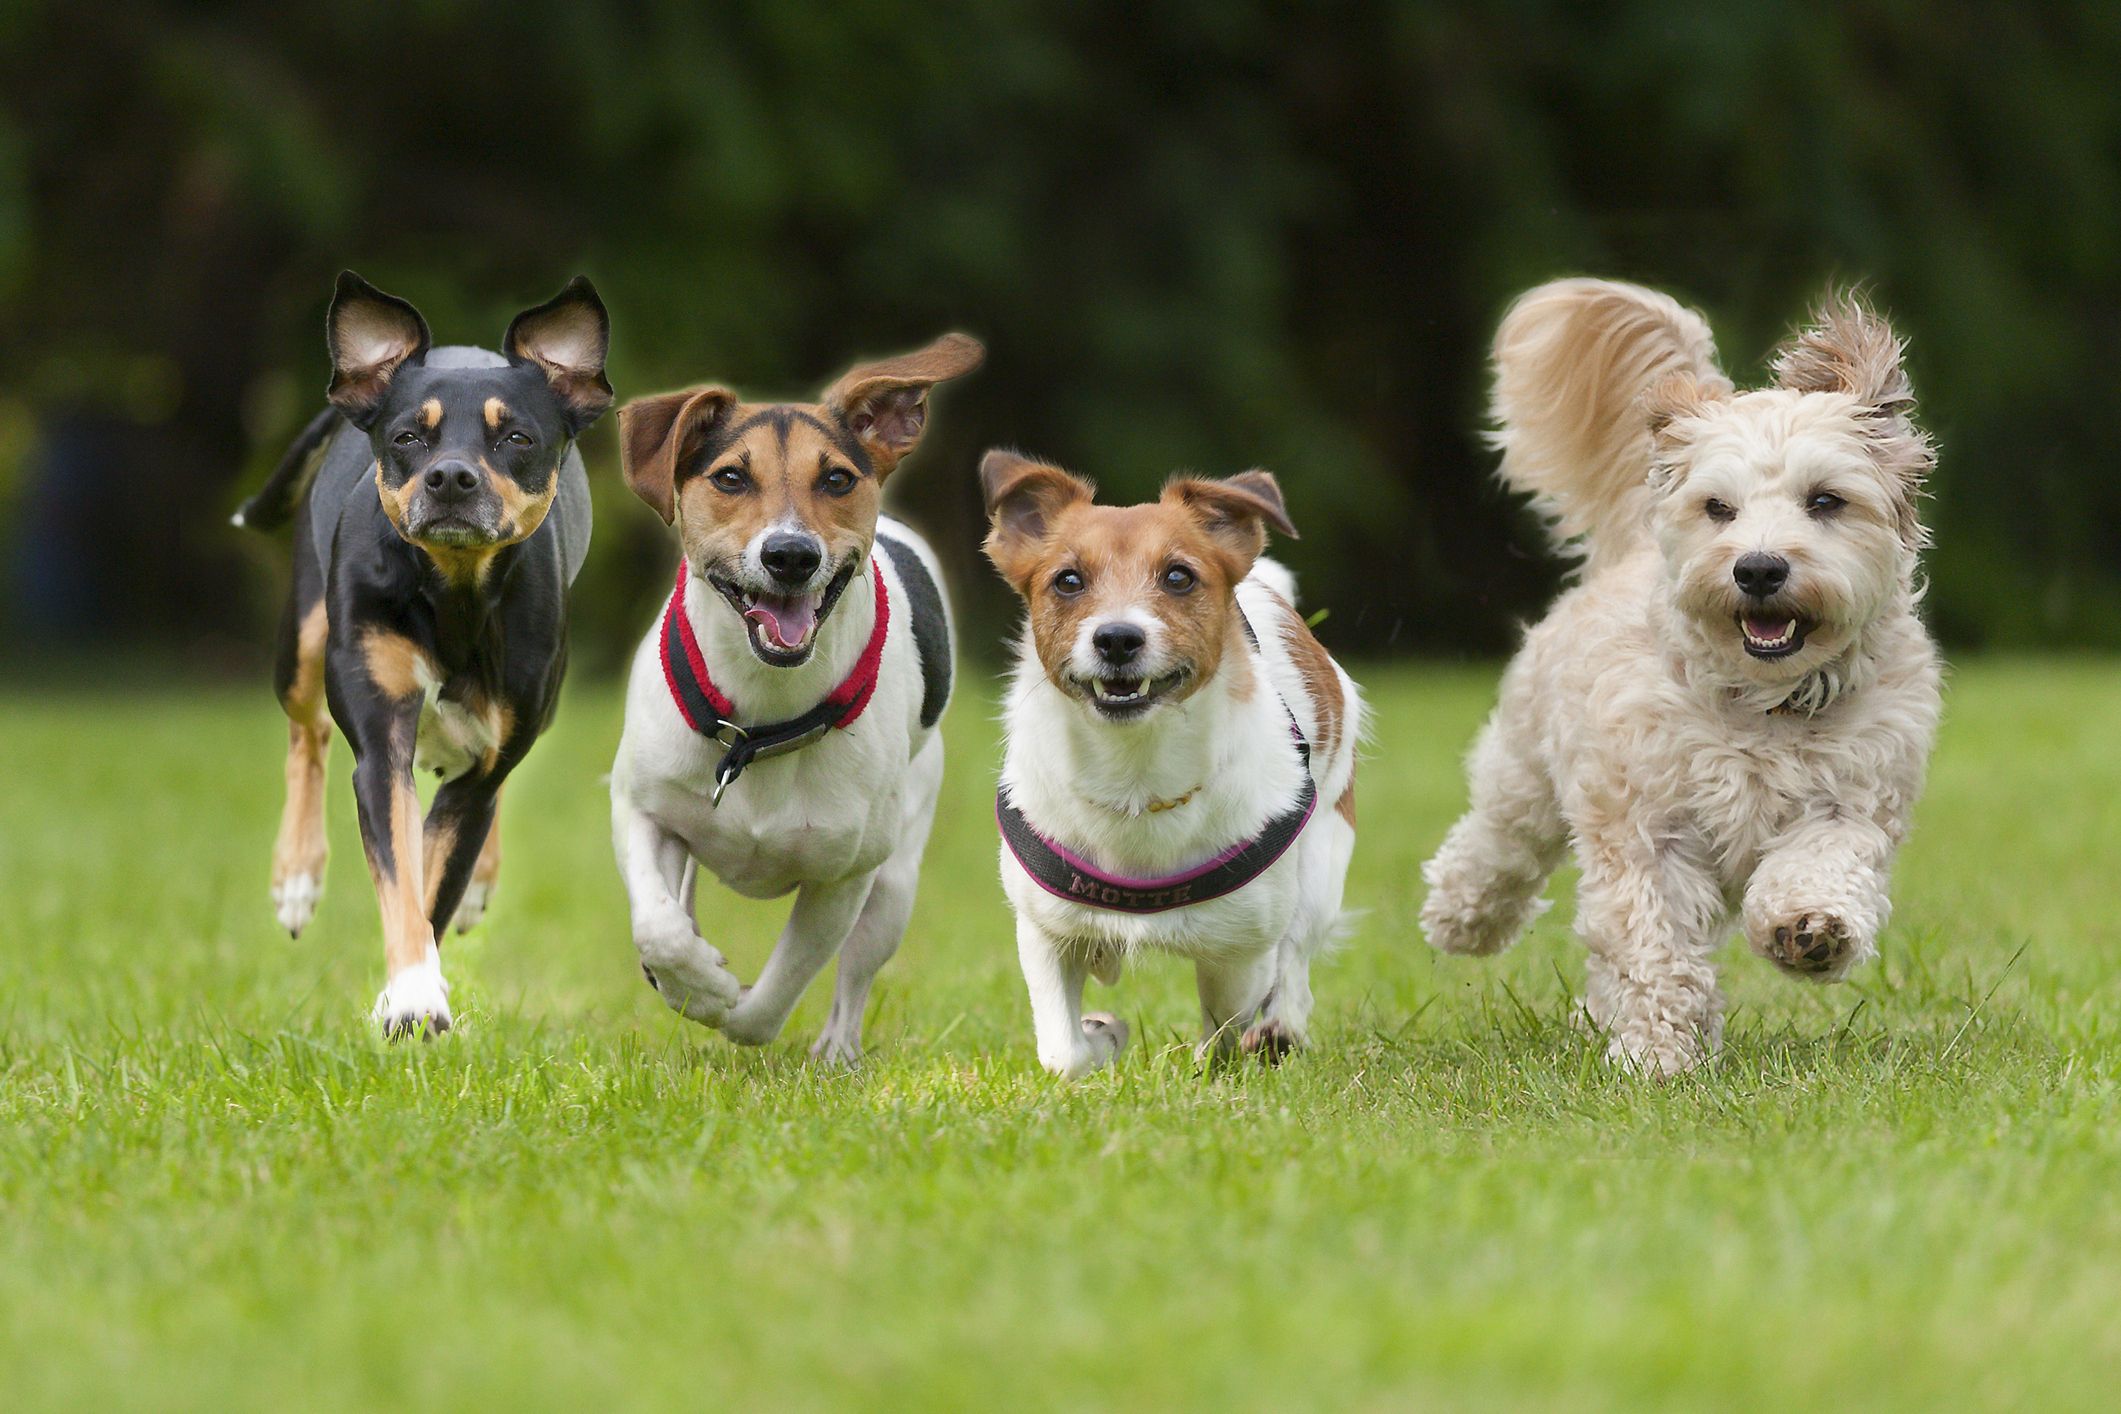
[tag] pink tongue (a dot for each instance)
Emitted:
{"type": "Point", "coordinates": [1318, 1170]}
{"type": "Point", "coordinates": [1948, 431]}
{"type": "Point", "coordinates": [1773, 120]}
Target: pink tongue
{"type": "Point", "coordinates": [1767, 630]}
{"type": "Point", "coordinates": [787, 622]}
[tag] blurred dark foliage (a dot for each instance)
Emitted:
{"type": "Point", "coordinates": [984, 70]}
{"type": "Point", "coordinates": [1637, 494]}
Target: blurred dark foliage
{"type": "Point", "coordinates": [1203, 234]}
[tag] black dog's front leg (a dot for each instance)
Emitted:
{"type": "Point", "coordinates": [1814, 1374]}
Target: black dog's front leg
{"type": "Point", "coordinates": [383, 733]}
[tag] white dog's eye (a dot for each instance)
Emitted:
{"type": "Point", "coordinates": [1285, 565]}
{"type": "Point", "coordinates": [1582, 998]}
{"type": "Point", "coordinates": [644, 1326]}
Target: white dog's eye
{"type": "Point", "coordinates": [1068, 583]}
{"type": "Point", "coordinates": [1178, 579]}
{"type": "Point", "coordinates": [1824, 503]}
{"type": "Point", "coordinates": [1717, 510]}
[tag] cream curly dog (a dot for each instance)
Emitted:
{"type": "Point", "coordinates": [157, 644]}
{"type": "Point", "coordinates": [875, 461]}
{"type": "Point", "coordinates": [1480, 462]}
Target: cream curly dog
{"type": "Point", "coordinates": [1732, 712]}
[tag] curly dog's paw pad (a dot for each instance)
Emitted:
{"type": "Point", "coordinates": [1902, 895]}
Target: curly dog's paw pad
{"type": "Point", "coordinates": [1809, 943]}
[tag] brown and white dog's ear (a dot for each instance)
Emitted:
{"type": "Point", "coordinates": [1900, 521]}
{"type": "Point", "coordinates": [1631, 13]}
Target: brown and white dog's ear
{"type": "Point", "coordinates": [658, 434]}
{"type": "Point", "coordinates": [885, 404]}
{"type": "Point", "coordinates": [568, 337]}
{"type": "Point", "coordinates": [1673, 407]}
{"type": "Point", "coordinates": [1236, 511]}
{"type": "Point", "coordinates": [1850, 348]}
{"type": "Point", "coordinates": [1023, 497]}
{"type": "Point", "coordinates": [370, 334]}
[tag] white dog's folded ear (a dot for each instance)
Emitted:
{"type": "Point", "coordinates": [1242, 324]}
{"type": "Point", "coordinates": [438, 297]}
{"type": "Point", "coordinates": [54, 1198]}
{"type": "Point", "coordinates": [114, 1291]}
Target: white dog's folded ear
{"type": "Point", "coordinates": [1236, 511]}
{"type": "Point", "coordinates": [1022, 498]}
{"type": "Point", "coordinates": [658, 435]}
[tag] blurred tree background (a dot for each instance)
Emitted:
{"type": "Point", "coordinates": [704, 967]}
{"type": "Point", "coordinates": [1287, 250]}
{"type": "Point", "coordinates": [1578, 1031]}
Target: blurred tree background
{"type": "Point", "coordinates": [1202, 234]}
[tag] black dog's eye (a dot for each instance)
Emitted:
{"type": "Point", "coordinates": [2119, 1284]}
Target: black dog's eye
{"type": "Point", "coordinates": [1824, 503]}
{"type": "Point", "coordinates": [1717, 510]}
{"type": "Point", "coordinates": [408, 439]}
{"type": "Point", "coordinates": [837, 480]}
{"type": "Point", "coordinates": [729, 479]}
{"type": "Point", "coordinates": [1178, 579]}
{"type": "Point", "coordinates": [1069, 583]}
{"type": "Point", "coordinates": [520, 439]}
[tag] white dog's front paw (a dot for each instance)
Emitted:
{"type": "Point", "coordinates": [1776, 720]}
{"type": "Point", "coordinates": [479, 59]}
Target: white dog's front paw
{"type": "Point", "coordinates": [1104, 1036]}
{"type": "Point", "coordinates": [294, 901]}
{"type": "Point", "coordinates": [1814, 943]}
{"type": "Point", "coordinates": [471, 910]}
{"type": "Point", "coordinates": [416, 1001]}
{"type": "Point", "coordinates": [691, 976]}
{"type": "Point", "coordinates": [1660, 1055]}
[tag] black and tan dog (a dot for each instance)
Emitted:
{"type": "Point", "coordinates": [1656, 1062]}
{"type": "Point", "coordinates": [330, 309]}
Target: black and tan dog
{"type": "Point", "coordinates": [444, 514]}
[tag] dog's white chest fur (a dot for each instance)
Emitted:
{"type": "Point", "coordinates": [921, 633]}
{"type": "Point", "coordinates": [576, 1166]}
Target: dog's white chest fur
{"type": "Point", "coordinates": [452, 737]}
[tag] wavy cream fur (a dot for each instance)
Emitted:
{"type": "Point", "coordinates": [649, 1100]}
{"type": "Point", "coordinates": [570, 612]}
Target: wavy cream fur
{"type": "Point", "coordinates": [1698, 785]}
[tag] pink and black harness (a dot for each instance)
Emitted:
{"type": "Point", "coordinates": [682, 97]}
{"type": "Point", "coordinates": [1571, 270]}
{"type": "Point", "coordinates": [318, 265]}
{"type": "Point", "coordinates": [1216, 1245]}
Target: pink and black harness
{"type": "Point", "coordinates": [1067, 875]}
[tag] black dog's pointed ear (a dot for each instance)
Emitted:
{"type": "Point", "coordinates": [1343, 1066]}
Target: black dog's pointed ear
{"type": "Point", "coordinates": [568, 337]}
{"type": "Point", "coordinates": [370, 335]}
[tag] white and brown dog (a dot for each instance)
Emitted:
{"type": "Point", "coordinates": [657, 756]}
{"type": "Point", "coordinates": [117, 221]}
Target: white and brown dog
{"type": "Point", "coordinates": [1732, 713]}
{"type": "Point", "coordinates": [1180, 767]}
{"type": "Point", "coordinates": [781, 717]}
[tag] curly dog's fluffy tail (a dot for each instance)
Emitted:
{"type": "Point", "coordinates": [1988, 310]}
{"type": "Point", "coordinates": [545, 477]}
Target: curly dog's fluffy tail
{"type": "Point", "coordinates": [1573, 359]}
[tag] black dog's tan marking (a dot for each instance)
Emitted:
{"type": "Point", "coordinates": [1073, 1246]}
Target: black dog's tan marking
{"type": "Point", "coordinates": [444, 513]}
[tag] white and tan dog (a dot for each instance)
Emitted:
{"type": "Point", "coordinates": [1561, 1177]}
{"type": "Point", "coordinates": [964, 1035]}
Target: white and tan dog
{"type": "Point", "coordinates": [781, 718]}
{"type": "Point", "coordinates": [1180, 768]}
{"type": "Point", "coordinates": [1732, 713]}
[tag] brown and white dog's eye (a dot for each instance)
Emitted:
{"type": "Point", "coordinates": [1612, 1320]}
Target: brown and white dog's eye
{"type": "Point", "coordinates": [729, 479]}
{"type": "Point", "coordinates": [1824, 503]}
{"type": "Point", "coordinates": [1717, 510]}
{"type": "Point", "coordinates": [1069, 583]}
{"type": "Point", "coordinates": [1179, 579]}
{"type": "Point", "coordinates": [837, 481]}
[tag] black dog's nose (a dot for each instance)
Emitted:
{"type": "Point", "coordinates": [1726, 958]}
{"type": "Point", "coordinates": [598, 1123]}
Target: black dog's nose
{"type": "Point", "coordinates": [451, 481]}
{"type": "Point", "coordinates": [1760, 574]}
{"type": "Point", "coordinates": [791, 558]}
{"type": "Point", "coordinates": [1118, 644]}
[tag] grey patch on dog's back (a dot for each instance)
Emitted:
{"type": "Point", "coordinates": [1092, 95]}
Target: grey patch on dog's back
{"type": "Point", "coordinates": [931, 629]}
{"type": "Point", "coordinates": [462, 356]}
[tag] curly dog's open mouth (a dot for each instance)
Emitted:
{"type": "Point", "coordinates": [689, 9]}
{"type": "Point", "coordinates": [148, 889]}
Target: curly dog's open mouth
{"type": "Point", "coordinates": [1775, 635]}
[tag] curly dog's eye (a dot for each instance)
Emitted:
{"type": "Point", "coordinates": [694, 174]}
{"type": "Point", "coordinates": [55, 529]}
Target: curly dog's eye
{"type": "Point", "coordinates": [1824, 503]}
{"type": "Point", "coordinates": [1718, 511]}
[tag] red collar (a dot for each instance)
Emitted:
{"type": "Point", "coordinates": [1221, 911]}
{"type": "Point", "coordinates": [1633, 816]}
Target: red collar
{"type": "Point", "coordinates": [708, 710]}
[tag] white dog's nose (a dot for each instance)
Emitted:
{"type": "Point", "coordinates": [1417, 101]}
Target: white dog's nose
{"type": "Point", "coordinates": [1760, 574]}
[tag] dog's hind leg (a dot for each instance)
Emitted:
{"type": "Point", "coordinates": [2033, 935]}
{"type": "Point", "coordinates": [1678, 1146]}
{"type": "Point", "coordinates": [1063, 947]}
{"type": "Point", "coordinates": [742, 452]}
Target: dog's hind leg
{"type": "Point", "coordinates": [1284, 1019]}
{"type": "Point", "coordinates": [1486, 879]}
{"type": "Point", "coordinates": [299, 852]}
{"type": "Point", "coordinates": [877, 932]}
{"type": "Point", "coordinates": [485, 875]}
{"type": "Point", "coordinates": [881, 924]}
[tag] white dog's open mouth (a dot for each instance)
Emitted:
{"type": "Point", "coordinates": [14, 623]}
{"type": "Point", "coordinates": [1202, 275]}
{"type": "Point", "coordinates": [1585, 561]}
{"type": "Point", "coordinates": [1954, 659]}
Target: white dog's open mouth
{"type": "Point", "coordinates": [1119, 698]}
{"type": "Point", "coordinates": [783, 627]}
{"type": "Point", "coordinates": [1772, 635]}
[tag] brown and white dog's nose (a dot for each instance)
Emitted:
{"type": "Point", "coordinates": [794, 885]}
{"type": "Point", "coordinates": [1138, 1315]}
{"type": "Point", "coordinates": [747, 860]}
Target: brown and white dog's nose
{"type": "Point", "coordinates": [790, 558]}
{"type": "Point", "coordinates": [1760, 574]}
{"type": "Point", "coordinates": [1118, 644]}
{"type": "Point", "coordinates": [451, 482]}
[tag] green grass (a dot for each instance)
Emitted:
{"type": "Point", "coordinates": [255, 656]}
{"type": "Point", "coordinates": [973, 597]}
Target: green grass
{"type": "Point", "coordinates": [216, 1187]}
